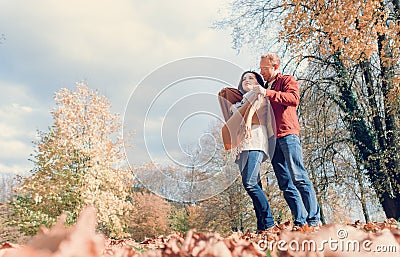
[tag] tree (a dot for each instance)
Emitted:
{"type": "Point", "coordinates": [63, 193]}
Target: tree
{"type": "Point", "coordinates": [338, 180]}
{"type": "Point", "coordinates": [355, 45]}
{"type": "Point", "coordinates": [149, 217]}
{"type": "Point", "coordinates": [78, 162]}
{"type": "Point", "coordinates": [8, 233]}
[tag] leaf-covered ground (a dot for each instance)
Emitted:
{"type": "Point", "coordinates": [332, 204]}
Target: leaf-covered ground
{"type": "Point", "coordinates": [81, 240]}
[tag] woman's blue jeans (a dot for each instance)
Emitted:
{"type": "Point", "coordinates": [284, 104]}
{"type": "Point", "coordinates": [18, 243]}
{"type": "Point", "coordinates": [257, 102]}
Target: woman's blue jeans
{"type": "Point", "coordinates": [249, 165]}
{"type": "Point", "coordinates": [293, 179]}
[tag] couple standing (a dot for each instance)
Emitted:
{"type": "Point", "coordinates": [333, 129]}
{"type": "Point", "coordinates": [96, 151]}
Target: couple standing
{"type": "Point", "coordinates": [282, 92]}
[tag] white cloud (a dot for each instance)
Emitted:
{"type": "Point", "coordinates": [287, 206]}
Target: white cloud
{"type": "Point", "coordinates": [20, 116]}
{"type": "Point", "coordinates": [15, 111]}
{"type": "Point", "coordinates": [20, 113]}
{"type": "Point", "coordinates": [21, 108]}
{"type": "Point", "coordinates": [22, 168]}
{"type": "Point", "coordinates": [16, 136]}
{"type": "Point", "coordinates": [18, 121]}
{"type": "Point", "coordinates": [15, 149]}
{"type": "Point", "coordinates": [13, 92]}
{"type": "Point", "coordinates": [8, 132]}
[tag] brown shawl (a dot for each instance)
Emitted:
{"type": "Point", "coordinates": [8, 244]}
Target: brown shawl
{"type": "Point", "coordinates": [234, 129]}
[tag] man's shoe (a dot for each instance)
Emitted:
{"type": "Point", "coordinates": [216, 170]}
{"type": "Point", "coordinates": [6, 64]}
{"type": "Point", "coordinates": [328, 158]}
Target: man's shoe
{"type": "Point", "coordinates": [259, 231]}
{"type": "Point", "coordinates": [298, 228]}
{"type": "Point", "coordinates": [274, 229]}
{"type": "Point", "coordinates": [306, 228]}
{"type": "Point", "coordinates": [314, 228]}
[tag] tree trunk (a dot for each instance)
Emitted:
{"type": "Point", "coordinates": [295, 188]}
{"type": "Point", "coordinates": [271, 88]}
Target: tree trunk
{"type": "Point", "coordinates": [383, 174]}
{"type": "Point", "coordinates": [391, 206]}
{"type": "Point", "coordinates": [322, 213]}
{"type": "Point", "coordinates": [391, 200]}
{"type": "Point", "coordinates": [363, 198]}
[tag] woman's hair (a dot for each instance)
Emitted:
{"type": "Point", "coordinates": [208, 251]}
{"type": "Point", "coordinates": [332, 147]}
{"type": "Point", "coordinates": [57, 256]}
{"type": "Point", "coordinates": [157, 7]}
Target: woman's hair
{"type": "Point", "coordinates": [258, 78]}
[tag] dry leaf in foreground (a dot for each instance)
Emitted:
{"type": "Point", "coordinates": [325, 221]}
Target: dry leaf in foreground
{"type": "Point", "coordinates": [339, 241]}
{"type": "Point", "coordinates": [334, 240]}
{"type": "Point", "coordinates": [8, 248]}
{"type": "Point", "coordinates": [80, 240]}
{"type": "Point", "coordinates": [210, 245]}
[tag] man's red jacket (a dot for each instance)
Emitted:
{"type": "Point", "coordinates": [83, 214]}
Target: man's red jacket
{"type": "Point", "coordinates": [285, 97]}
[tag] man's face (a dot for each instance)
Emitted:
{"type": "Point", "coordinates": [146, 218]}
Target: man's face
{"type": "Point", "coordinates": [267, 70]}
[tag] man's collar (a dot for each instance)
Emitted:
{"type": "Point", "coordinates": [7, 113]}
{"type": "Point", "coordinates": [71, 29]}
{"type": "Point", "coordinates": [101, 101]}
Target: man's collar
{"type": "Point", "coordinates": [269, 84]}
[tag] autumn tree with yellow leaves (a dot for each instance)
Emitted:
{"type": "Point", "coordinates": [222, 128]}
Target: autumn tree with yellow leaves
{"type": "Point", "coordinates": [348, 52]}
{"type": "Point", "coordinates": [78, 162]}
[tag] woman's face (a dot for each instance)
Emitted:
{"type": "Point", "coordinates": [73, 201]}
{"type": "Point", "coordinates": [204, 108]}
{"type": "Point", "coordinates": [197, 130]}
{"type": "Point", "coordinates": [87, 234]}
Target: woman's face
{"type": "Point", "coordinates": [248, 81]}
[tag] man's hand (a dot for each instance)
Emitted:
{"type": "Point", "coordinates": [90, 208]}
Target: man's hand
{"type": "Point", "coordinates": [260, 90]}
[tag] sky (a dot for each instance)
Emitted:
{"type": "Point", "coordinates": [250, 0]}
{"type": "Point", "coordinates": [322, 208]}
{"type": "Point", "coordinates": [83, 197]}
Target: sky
{"type": "Point", "coordinates": [114, 47]}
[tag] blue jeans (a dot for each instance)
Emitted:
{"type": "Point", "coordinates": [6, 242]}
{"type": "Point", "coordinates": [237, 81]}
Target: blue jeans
{"type": "Point", "coordinates": [249, 165]}
{"type": "Point", "coordinates": [292, 180]}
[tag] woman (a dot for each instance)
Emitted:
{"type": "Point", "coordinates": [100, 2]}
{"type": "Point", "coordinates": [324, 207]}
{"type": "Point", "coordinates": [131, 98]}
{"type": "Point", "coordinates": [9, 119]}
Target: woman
{"type": "Point", "coordinates": [251, 137]}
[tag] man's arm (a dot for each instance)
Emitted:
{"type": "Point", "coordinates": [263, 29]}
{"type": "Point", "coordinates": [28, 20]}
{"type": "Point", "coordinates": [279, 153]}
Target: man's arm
{"type": "Point", "coordinates": [290, 95]}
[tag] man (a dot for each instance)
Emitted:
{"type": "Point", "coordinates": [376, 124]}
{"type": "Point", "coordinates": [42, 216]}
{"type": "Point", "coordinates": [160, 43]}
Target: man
{"type": "Point", "coordinates": [287, 161]}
